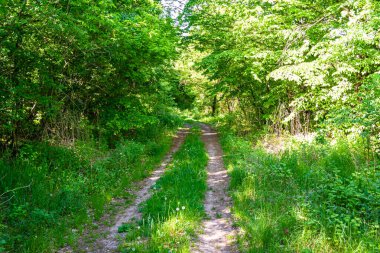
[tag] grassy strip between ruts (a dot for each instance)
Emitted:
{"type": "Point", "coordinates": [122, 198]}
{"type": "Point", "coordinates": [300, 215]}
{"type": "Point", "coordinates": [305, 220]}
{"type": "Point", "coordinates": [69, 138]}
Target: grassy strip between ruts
{"type": "Point", "coordinates": [316, 197]}
{"type": "Point", "coordinates": [174, 212]}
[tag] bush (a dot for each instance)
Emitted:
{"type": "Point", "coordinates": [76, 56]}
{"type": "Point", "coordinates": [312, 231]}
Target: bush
{"type": "Point", "coordinates": [347, 206]}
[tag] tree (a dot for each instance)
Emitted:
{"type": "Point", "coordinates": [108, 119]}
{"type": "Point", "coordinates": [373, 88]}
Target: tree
{"type": "Point", "coordinates": [108, 62]}
{"type": "Point", "coordinates": [288, 64]}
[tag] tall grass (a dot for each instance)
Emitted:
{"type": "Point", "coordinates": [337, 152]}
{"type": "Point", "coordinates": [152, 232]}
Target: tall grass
{"type": "Point", "coordinates": [310, 198]}
{"type": "Point", "coordinates": [48, 193]}
{"type": "Point", "coordinates": [171, 217]}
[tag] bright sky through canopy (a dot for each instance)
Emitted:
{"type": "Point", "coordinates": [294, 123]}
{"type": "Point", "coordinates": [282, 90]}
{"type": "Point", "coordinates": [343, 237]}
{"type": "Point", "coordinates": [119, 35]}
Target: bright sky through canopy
{"type": "Point", "coordinates": [173, 7]}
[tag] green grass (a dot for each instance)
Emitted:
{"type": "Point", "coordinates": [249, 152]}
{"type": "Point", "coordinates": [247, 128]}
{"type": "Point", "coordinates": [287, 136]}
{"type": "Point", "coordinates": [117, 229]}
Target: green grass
{"type": "Point", "coordinates": [310, 198]}
{"type": "Point", "coordinates": [171, 217]}
{"type": "Point", "coordinates": [48, 193]}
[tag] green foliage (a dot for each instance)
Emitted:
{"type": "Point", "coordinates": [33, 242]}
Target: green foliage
{"type": "Point", "coordinates": [309, 198]}
{"type": "Point", "coordinates": [88, 90]}
{"type": "Point", "coordinates": [47, 191]}
{"type": "Point", "coordinates": [172, 215]}
{"type": "Point", "coordinates": [78, 78]}
{"type": "Point", "coordinates": [365, 116]}
{"type": "Point", "coordinates": [348, 207]}
{"type": "Point", "coordinates": [105, 62]}
{"type": "Point", "coordinates": [288, 64]}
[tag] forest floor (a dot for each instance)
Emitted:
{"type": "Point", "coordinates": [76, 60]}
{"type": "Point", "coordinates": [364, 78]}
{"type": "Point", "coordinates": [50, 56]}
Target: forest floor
{"type": "Point", "coordinates": [218, 232]}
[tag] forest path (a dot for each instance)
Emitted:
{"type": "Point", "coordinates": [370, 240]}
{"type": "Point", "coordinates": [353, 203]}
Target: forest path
{"type": "Point", "coordinates": [111, 237]}
{"type": "Point", "coordinates": [219, 234]}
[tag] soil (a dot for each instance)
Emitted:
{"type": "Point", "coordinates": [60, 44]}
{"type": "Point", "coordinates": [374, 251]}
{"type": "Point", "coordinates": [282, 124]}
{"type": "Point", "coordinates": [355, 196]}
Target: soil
{"type": "Point", "coordinates": [218, 232]}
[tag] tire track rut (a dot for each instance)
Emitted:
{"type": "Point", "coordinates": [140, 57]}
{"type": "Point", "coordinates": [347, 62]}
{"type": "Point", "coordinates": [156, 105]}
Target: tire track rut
{"type": "Point", "coordinates": [219, 233]}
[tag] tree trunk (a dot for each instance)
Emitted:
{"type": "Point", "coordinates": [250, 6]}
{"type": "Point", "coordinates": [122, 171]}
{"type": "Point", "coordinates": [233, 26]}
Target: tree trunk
{"type": "Point", "coordinates": [214, 103]}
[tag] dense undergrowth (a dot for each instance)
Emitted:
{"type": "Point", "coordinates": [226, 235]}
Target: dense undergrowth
{"type": "Point", "coordinates": [171, 217]}
{"type": "Point", "coordinates": [312, 197]}
{"type": "Point", "coordinates": [49, 192]}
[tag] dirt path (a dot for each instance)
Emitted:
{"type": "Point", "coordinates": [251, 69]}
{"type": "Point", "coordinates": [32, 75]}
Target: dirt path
{"type": "Point", "coordinates": [111, 237]}
{"type": "Point", "coordinates": [218, 233]}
